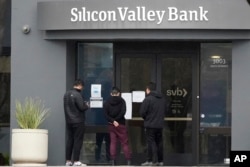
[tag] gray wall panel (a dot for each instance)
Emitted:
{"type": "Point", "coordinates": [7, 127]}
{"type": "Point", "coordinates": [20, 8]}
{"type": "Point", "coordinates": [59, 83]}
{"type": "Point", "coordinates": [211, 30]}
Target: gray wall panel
{"type": "Point", "coordinates": [240, 95]}
{"type": "Point", "coordinates": [38, 69]}
{"type": "Point", "coordinates": [148, 34]}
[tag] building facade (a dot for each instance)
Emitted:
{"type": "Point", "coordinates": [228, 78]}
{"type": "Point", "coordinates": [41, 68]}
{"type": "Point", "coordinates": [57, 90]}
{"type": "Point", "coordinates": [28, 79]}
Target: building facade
{"type": "Point", "coordinates": [4, 81]}
{"type": "Point", "coordinates": [196, 51]}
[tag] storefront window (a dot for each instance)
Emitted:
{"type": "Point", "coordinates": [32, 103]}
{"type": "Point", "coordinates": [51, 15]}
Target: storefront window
{"type": "Point", "coordinates": [5, 90]}
{"type": "Point", "coordinates": [5, 10]}
{"type": "Point", "coordinates": [95, 66]}
{"type": "Point", "coordinates": [215, 102]}
{"type": "Point", "coordinates": [4, 106]}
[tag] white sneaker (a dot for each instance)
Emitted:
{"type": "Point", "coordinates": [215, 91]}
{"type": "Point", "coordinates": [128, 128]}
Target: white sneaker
{"type": "Point", "coordinates": [160, 164]}
{"type": "Point", "coordinates": [68, 163]}
{"type": "Point", "coordinates": [147, 163]}
{"type": "Point", "coordinates": [78, 163]}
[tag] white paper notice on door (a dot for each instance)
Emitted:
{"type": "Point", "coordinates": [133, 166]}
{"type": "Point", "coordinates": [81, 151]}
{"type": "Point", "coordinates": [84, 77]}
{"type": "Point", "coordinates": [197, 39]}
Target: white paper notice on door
{"type": "Point", "coordinates": [128, 99]}
{"type": "Point", "coordinates": [96, 102]}
{"type": "Point", "coordinates": [96, 90]}
{"type": "Point", "coordinates": [138, 96]}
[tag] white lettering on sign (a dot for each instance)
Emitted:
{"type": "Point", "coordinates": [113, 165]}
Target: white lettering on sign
{"type": "Point", "coordinates": [84, 15]}
{"type": "Point", "coordinates": [187, 15]}
{"type": "Point", "coordinates": [240, 158]}
{"type": "Point", "coordinates": [138, 14]}
{"type": "Point", "coordinates": [219, 63]}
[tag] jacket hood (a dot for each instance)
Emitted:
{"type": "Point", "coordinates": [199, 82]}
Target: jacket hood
{"type": "Point", "coordinates": [155, 94]}
{"type": "Point", "coordinates": [114, 100]}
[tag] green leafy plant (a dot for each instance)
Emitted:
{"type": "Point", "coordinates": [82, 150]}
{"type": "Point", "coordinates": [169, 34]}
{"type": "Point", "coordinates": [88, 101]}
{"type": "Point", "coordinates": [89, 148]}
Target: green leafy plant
{"type": "Point", "coordinates": [31, 113]}
{"type": "Point", "coordinates": [4, 159]}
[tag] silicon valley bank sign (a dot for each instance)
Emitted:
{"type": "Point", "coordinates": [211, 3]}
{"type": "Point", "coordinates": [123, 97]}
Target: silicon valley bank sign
{"type": "Point", "coordinates": [140, 14]}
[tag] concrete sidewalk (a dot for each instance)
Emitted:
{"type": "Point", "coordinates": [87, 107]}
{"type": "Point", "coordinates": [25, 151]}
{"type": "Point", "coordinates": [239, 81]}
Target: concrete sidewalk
{"type": "Point", "coordinates": [135, 166]}
{"type": "Point", "coordinates": [152, 166]}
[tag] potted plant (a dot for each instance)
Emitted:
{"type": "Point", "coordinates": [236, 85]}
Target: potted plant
{"type": "Point", "coordinates": [29, 143]}
{"type": "Point", "coordinates": [4, 159]}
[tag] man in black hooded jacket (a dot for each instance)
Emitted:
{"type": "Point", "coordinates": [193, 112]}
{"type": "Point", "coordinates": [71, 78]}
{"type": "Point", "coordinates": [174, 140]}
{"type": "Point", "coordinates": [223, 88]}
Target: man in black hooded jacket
{"type": "Point", "coordinates": [152, 111]}
{"type": "Point", "coordinates": [115, 109]}
{"type": "Point", "coordinates": [74, 110]}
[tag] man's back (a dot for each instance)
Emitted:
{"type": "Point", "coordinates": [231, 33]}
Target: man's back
{"type": "Point", "coordinates": [153, 110]}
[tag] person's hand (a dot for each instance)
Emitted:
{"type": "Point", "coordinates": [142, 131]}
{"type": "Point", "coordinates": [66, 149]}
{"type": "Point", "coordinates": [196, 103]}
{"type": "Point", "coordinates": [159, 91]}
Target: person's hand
{"type": "Point", "coordinates": [115, 123]}
{"type": "Point", "coordinates": [87, 103]}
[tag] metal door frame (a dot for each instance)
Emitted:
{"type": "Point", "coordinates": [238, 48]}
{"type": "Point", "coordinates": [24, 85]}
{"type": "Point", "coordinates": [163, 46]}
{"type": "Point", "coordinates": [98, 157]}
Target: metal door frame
{"type": "Point", "coordinates": [195, 97]}
{"type": "Point", "coordinates": [157, 55]}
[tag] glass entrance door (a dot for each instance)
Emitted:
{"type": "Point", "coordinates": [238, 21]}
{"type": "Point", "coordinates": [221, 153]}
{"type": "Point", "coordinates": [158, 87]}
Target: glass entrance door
{"type": "Point", "coordinates": [175, 78]}
{"type": "Point", "coordinates": [174, 75]}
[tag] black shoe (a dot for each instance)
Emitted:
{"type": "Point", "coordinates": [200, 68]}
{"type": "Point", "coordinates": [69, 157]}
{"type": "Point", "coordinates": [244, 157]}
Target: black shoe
{"type": "Point", "coordinates": [128, 162]}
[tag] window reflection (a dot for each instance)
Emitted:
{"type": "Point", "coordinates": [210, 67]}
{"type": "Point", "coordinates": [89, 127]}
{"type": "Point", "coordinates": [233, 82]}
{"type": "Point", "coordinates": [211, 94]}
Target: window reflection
{"type": "Point", "coordinates": [4, 105]}
{"type": "Point", "coordinates": [215, 102]}
{"type": "Point", "coordinates": [135, 73]}
{"type": "Point", "coordinates": [95, 66]}
{"type": "Point", "coordinates": [176, 84]}
{"type": "Point", "coordinates": [215, 85]}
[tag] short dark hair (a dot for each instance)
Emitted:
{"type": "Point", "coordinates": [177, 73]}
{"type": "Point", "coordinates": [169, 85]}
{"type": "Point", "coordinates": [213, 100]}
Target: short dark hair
{"type": "Point", "coordinates": [115, 90]}
{"type": "Point", "coordinates": [78, 82]}
{"type": "Point", "coordinates": [151, 86]}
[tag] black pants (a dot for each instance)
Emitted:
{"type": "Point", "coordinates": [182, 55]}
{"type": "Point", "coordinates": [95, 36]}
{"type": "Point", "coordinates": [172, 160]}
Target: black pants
{"type": "Point", "coordinates": [154, 144]}
{"type": "Point", "coordinates": [100, 137]}
{"type": "Point", "coordinates": [75, 134]}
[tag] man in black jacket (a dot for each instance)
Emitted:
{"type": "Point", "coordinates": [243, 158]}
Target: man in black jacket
{"type": "Point", "coordinates": [74, 109]}
{"type": "Point", "coordinates": [153, 111]}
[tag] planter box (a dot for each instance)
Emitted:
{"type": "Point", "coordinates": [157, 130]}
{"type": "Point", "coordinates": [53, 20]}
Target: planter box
{"type": "Point", "coordinates": [29, 147]}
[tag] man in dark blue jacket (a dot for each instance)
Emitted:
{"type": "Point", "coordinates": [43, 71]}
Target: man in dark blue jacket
{"type": "Point", "coordinates": [74, 109]}
{"type": "Point", "coordinates": [153, 112]}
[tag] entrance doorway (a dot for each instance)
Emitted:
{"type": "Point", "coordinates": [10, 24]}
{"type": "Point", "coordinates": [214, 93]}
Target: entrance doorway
{"type": "Point", "coordinates": [198, 122]}
{"type": "Point", "coordinates": [174, 70]}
